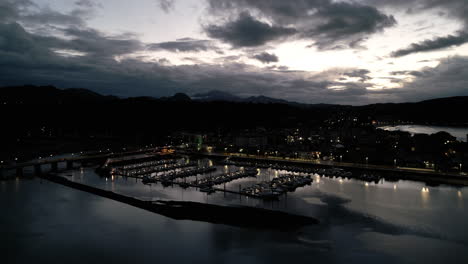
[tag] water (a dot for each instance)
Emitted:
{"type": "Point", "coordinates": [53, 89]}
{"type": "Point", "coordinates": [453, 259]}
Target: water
{"type": "Point", "coordinates": [389, 222]}
{"type": "Point", "coordinates": [459, 133]}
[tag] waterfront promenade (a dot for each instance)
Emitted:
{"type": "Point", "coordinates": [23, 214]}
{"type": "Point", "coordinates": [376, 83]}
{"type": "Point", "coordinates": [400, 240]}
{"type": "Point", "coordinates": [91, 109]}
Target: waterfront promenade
{"type": "Point", "coordinates": [404, 172]}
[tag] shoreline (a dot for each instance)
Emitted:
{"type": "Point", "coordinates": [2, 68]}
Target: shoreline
{"type": "Point", "coordinates": [400, 173]}
{"type": "Point", "coordinates": [239, 216]}
{"type": "Point", "coordinates": [460, 135]}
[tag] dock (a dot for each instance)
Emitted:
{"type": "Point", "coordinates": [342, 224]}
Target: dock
{"type": "Point", "coordinates": [239, 216]}
{"type": "Point", "coordinates": [404, 173]}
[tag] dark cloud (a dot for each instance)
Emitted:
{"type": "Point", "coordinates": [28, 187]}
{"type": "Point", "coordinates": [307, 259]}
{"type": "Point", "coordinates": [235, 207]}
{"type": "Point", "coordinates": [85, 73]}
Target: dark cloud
{"type": "Point", "coordinates": [78, 56]}
{"type": "Point", "coordinates": [328, 24]}
{"type": "Point", "coordinates": [10, 10]}
{"type": "Point", "coordinates": [347, 25]}
{"type": "Point", "coordinates": [34, 15]}
{"type": "Point", "coordinates": [266, 57]}
{"type": "Point", "coordinates": [452, 9]}
{"type": "Point", "coordinates": [362, 74]}
{"type": "Point", "coordinates": [166, 5]}
{"type": "Point", "coordinates": [85, 3]}
{"type": "Point", "coordinates": [247, 31]}
{"type": "Point", "coordinates": [434, 44]}
{"type": "Point", "coordinates": [18, 46]}
{"type": "Point", "coordinates": [449, 78]}
{"type": "Point", "coordinates": [185, 45]}
{"type": "Point", "coordinates": [95, 43]}
{"type": "Point", "coordinates": [29, 58]}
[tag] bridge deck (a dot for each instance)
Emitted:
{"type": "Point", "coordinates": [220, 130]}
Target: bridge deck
{"type": "Point", "coordinates": [70, 159]}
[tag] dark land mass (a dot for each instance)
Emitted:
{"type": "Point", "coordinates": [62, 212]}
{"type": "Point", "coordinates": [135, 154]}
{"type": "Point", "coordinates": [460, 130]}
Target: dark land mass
{"type": "Point", "coordinates": [41, 120]}
{"type": "Point", "coordinates": [441, 111]}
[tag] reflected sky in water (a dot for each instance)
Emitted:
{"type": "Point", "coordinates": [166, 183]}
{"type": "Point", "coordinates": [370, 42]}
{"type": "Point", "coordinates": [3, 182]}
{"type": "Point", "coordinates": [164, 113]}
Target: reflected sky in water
{"type": "Point", "coordinates": [459, 132]}
{"type": "Point", "coordinates": [388, 222]}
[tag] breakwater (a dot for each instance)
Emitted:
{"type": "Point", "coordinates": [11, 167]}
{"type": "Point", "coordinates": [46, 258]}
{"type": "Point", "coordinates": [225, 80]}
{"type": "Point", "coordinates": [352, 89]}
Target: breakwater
{"type": "Point", "coordinates": [240, 216]}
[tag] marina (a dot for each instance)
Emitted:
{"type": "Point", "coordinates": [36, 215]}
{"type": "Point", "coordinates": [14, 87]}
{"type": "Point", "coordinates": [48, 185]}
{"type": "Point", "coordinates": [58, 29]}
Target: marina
{"type": "Point", "coordinates": [234, 131]}
{"type": "Point", "coordinates": [169, 178]}
{"type": "Point", "coordinates": [171, 174]}
{"type": "Point", "coordinates": [149, 164]}
{"type": "Point", "coordinates": [277, 186]}
{"type": "Point", "coordinates": [324, 198]}
{"type": "Point", "coordinates": [325, 172]}
{"type": "Point", "coordinates": [199, 211]}
{"type": "Point", "coordinates": [151, 169]}
{"type": "Point", "coordinates": [225, 178]}
{"type": "Point", "coordinates": [202, 175]}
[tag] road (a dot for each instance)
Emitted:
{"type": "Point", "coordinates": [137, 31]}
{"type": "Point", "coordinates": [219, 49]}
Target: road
{"type": "Point", "coordinates": [422, 171]}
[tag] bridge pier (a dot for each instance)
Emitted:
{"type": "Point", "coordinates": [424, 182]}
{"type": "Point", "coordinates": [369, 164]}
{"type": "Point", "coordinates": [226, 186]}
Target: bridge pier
{"type": "Point", "coordinates": [54, 166]}
{"type": "Point", "coordinates": [69, 165]}
{"type": "Point", "coordinates": [37, 169]}
{"type": "Point", "coordinates": [19, 172]}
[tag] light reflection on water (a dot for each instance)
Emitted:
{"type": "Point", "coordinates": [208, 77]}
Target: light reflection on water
{"type": "Point", "coordinates": [459, 133]}
{"type": "Point", "coordinates": [425, 197]}
{"type": "Point", "coordinates": [403, 203]}
{"type": "Point", "coordinates": [372, 219]}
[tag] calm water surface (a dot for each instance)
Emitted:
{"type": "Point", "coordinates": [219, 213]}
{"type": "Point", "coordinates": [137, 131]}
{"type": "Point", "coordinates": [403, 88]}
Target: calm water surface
{"type": "Point", "coordinates": [389, 222]}
{"type": "Point", "coordinates": [459, 132]}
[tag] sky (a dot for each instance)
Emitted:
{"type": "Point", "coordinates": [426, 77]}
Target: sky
{"type": "Point", "coordinates": [310, 51]}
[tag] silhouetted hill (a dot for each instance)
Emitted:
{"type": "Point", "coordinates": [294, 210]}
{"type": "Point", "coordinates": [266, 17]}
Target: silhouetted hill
{"type": "Point", "coordinates": [214, 96]}
{"type": "Point", "coordinates": [31, 94]}
{"type": "Point", "coordinates": [266, 100]}
{"type": "Point", "coordinates": [175, 112]}
{"type": "Point", "coordinates": [451, 110]}
{"type": "Point", "coordinates": [77, 118]}
{"type": "Point", "coordinates": [244, 110]}
{"type": "Point", "coordinates": [178, 97]}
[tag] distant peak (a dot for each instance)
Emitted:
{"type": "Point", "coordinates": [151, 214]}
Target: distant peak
{"type": "Point", "coordinates": [216, 95]}
{"type": "Point", "coordinates": [213, 93]}
{"type": "Point", "coordinates": [178, 97]}
{"type": "Point", "coordinates": [181, 96]}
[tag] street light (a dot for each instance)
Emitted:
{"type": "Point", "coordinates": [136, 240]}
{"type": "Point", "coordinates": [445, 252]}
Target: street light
{"type": "Point", "coordinates": [341, 158]}
{"type": "Point", "coordinates": [367, 160]}
{"type": "Point", "coordinates": [460, 167]}
{"type": "Point", "coordinates": [394, 162]}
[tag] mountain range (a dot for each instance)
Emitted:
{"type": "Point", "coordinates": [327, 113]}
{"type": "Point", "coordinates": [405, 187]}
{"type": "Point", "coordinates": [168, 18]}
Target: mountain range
{"type": "Point", "coordinates": [450, 110]}
{"type": "Point", "coordinates": [216, 95]}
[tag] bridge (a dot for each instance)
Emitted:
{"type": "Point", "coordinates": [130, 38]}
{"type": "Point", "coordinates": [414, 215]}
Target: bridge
{"type": "Point", "coordinates": [37, 165]}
